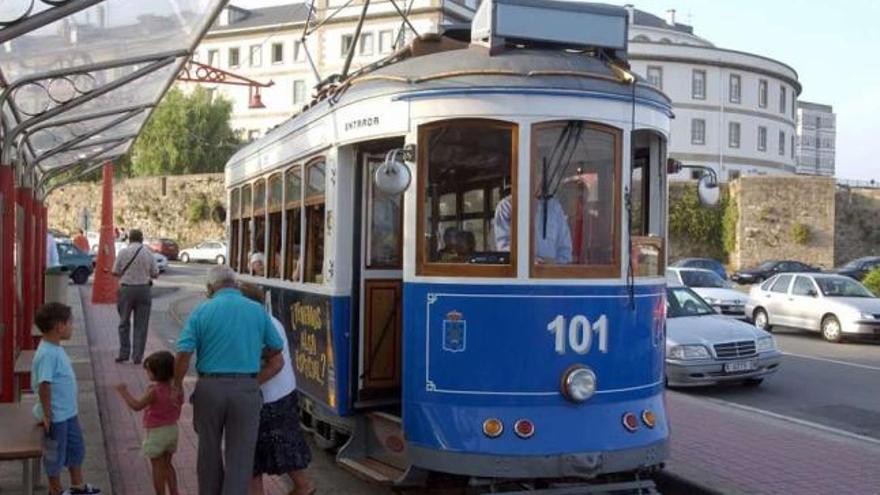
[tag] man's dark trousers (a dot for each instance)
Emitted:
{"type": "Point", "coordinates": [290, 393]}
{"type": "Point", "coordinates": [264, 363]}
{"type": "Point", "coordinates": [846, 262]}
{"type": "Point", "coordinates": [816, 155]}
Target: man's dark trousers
{"type": "Point", "coordinates": [138, 300]}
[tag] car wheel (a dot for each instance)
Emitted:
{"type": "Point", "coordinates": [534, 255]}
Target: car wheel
{"type": "Point", "coordinates": [831, 330]}
{"type": "Point", "coordinates": [184, 258]}
{"type": "Point", "coordinates": [761, 320]}
{"type": "Point", "coordinates": [220, 259]}
{"type": "Point", "coordinates": [80, 276]}
{"type": "Point", "coordinates": [753, 382]}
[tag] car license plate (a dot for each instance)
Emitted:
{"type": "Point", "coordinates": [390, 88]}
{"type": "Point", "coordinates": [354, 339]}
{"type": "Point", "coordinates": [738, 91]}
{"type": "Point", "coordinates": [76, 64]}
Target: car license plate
{"type": "Point", "coordinates": [739, 366]}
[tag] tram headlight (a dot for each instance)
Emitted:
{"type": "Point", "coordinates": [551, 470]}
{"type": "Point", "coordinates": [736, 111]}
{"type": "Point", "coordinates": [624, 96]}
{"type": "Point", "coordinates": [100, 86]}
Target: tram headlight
{"type": "Point", "coordinates": [578, 383]}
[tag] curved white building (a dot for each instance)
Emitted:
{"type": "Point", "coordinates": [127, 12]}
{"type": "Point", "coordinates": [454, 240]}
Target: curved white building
{"type": "Point", "coordinates": [734, 111]}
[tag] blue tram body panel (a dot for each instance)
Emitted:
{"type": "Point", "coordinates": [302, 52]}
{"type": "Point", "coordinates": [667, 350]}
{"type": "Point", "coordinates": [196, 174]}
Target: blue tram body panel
{"type": "Point", "coordinates": [477, 352]}
{"type": "Point", "coordinates": [319, 331]}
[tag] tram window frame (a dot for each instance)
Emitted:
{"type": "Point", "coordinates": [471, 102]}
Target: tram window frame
{"type": "Point", "coordinates": [424, 267]}
{"type": "Point", "coordinates": [259, 223]}
{"type": "Point", "coordinates": [246, 228]}
{"type": "Point", "coordinates": [275, 224]}
{"type": "Point", "coordinates": [649, 231]}
{"type": "Point", "coordinates": [315, 208]}
{"type": "Point", "coordinates": [234, 226]}
{"type": "Point", "coordinates": [564, 271]}
{"type": "Point", "coordinates": [293, 218]}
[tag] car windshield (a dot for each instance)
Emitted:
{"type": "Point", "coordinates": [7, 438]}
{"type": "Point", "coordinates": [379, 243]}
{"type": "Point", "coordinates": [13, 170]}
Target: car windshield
{"type": "Point", "coordinates": [766, 265]}
{"type": "Point", "coordinates": [685, 302]}
{"type": "Point", "coordinates": [694, 278]}
{"type": "Point", "coordinates": [842, 287]}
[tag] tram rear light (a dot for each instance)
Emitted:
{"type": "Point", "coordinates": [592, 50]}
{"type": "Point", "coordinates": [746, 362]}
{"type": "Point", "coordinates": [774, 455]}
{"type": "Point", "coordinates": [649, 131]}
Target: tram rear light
{"type": "Point", "coordinates": [493, 428]}
{"type": "Point", "coordinates": [648, 418]}
{"type": "Point", "coordinates": [630, 422]}
{"type": "Point", "coordinates": [524, 428]}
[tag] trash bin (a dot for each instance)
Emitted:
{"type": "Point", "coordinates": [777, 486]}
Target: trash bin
{"type": "Point", "coordinates": [57, 278]}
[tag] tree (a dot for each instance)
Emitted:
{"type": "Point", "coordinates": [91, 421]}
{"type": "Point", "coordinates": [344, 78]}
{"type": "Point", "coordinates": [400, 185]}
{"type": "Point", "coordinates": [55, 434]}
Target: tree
{"type": "Point", "coordinates": [186, 134]}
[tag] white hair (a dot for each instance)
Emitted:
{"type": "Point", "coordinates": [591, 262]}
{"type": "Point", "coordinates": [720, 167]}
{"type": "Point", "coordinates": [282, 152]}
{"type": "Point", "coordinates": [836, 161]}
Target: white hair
{"type": "Point", "coordinates": [221, 276]}
{"type": "Point", "coordinates": [255, 257]}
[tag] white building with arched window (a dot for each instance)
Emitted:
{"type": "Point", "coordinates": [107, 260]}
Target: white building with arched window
{"type": "Point", "coordinates": [734, 111]}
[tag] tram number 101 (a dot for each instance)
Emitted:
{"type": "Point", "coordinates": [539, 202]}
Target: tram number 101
{"type": "Point", "coordinates": [580, 333]}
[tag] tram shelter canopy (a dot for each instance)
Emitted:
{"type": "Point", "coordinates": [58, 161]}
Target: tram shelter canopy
{"type": "Point", "coordinates": [79, 78]}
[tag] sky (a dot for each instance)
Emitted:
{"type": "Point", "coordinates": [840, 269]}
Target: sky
{"type": "Point", "coordinates": [833, 47]}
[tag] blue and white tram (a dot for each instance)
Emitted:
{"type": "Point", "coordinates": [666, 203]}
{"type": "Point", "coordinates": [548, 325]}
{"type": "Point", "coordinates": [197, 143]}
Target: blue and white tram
{"type": "Point", "coordinates": [503, 317]}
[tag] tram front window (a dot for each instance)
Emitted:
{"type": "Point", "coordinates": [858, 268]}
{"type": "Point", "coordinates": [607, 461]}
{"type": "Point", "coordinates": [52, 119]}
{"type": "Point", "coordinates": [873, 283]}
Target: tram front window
{"type": "Point", "coordinates": [575, 201]}
{"type": "Point", "coordinates": [463, 165]}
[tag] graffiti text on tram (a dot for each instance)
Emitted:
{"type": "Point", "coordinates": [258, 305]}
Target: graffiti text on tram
{"type": "Point", "coordinates": [577, 333]}
{"type": "Point", "coordinates": [310, 360]}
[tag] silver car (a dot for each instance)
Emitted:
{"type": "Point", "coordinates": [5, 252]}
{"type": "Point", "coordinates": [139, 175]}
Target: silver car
{"type": "Point", "coordinates": [705, 348]}
{"type": "Point", "coordinates": [716, 291]}
{"type": "Point", "coordinates": [835, 305]}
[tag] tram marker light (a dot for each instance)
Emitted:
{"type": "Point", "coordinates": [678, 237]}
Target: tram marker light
{"type": "Point", "coordinates": [524, 428]}
{"type": "Point", "coordinates": [630, 422]}
{"type": "Point", "coordinates": [649, 419]}
{"type": "Point", "coordinates": [493, 428]}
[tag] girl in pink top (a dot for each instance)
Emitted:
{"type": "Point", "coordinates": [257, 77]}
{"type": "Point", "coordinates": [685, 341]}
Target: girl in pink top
{"type": "Point", "coordinates": [162, 410]}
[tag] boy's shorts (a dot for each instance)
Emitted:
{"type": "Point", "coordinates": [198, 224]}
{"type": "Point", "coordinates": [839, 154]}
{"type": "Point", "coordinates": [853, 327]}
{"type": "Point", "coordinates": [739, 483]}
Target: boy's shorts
{"type": "Point", "coordinates": [63, 446]}
{"type": "Point", "coordinates": [159, 441]}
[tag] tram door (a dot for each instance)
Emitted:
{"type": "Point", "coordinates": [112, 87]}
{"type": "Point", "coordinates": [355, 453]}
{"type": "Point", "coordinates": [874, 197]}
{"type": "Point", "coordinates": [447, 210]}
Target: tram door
{"type": "Point", "coordinates": [381, 289]}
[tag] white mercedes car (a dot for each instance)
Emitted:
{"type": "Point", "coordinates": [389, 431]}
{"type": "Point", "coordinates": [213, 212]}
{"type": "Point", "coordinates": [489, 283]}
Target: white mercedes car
{"type": "Point", "coordinates": [213, 251]}
{"type": "Point", "coordinates": [716, 291]}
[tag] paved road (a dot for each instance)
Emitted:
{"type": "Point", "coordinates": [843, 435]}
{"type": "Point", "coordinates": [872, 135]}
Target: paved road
{"type": "Point", "coordinates": [833, 385]}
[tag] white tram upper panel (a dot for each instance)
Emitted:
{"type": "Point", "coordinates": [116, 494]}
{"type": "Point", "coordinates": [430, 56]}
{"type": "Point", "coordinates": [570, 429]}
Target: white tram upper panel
{"type": "Point", "coordinates": [440, 79]}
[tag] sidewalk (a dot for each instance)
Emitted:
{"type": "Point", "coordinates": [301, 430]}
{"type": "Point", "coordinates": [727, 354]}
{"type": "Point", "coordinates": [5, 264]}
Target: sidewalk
{"type": "Point", "coordinates": [726, 450]}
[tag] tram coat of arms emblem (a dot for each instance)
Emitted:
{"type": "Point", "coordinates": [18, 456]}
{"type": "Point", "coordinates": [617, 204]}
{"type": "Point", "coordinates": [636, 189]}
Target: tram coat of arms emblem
{"type": "Point", "coordinates": [454, 332]}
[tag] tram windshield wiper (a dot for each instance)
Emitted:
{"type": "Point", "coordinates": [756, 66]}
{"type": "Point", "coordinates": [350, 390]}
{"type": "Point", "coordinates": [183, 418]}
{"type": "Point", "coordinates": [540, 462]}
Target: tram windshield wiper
{"type": "Point", "coordinates": [558, 161]}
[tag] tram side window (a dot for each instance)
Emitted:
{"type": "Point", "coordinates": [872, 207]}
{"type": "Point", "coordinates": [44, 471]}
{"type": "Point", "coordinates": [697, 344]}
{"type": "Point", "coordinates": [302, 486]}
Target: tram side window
{"type": "Point", "coordinates": [274, 205]}
{"type": "Point", "coordinates": [314, 259]}
{"type": "Point", "coordinates": [385, 213]}
{"type": "Point", "coordinates": [247, 208]}
{"type": "Point", "coordinates": [259, 225]}
{"type": "Point", "coordinates": [575, 179]}
{"type": "Point", "coordinates": [293, 213]}
{"type": "Point", "coordinates": [467, 182]}
{"type": "Point", "coordinates": [234, 223]}
{"type": "Point", "coordinates": [648, 198]}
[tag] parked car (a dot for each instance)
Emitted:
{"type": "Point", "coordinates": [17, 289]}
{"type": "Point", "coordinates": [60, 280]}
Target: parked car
{"type": "Point", "coordinates": [711, 288]}
{"type": "Point", "coordinates": [769, 268]}
{"type": "Point", "coordinates": [704, 263]}
{"type": "Point", "coordinates": [165, 246]}
{"type": "Point", "coordinates": [705, 348]}
{"type": "Point", "coordinates": [835, 305]}
{"type": "Point", "coordinates": [79, 263]}
{"type": "Point", "coordinates": [214, 251]}
{"type": "Point", "coordinates": [859, 267]}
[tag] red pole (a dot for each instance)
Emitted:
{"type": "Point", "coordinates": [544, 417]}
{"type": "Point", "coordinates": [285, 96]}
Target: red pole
{"type": "Point", "coordinates": [105, 284]}
{"type": "Point", "coordinates": [39, 268]}
{"type": "Point", "coordinates": [25, 199]}
{"type": "Point", "coordinates": [7, 284]}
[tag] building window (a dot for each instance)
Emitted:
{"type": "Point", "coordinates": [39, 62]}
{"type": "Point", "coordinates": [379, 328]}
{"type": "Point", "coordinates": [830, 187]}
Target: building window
{"type": "Point", "coordinates": [386, 41]}
{"type": "Point", "coordinates": [762, 93]}
{"type": "Point", "coordinates": [698, 85]}
{"type": "Point", "coordinates": [782, 99]}
{"type": "Point", "coordinates": [366, 44]}
{"type": "Point", "coordinates": [655, 76]}
{"type": "Point", "coordinates": [234, 55]}
{"type": "Point", "coordinates": [735, 89]}
{"type": "Point", "coordinates": [467, 219]}
{"type": "Point", "coordinates": [299, 92]}
{"type": "Point", "coordinates": [277, 53]}
{"type": "Point", "coordinates": [793, 104]}
{"type": "Point", "coordinates": [792, 146]}
{"type": "Point", "coordinates": [347, 40]}
{"type": "Point", "coordinates": [733, 132]}
{"type": "Point", "coordinates": [781, 143]}
{"type": "Point", "coordinates": [299, 52]}
{"type": "Point", "coordinates": [213, 58]}
{"type": "Point", "coordinates": [195, 56]}
{"type": "Point", "coordinates": [256, 53]}
{"type": "Point", "coordinates": [698, 131]}
{"type": "Point", "coordinates": [762, 138]}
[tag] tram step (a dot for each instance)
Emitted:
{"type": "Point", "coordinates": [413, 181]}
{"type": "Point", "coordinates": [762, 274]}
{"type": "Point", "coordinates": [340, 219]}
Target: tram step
{"type": "Point", "coordinates": [376, 449]}
{"type": "Point", "coordinates": [372, 470]}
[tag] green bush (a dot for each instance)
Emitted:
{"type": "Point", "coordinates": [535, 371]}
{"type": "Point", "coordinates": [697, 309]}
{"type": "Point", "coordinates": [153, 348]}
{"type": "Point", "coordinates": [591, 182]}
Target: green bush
{"type": "Point", "coordinates": [872, 281]}
{"type": "Point", "coordinates": [198, 209]}
{"type": "Point", "coordinates": [800, 233]}
{"type": "Point", "coordinates": [713, 228]}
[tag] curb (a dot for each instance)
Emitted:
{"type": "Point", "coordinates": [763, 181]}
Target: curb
{"type": "Point", "coordinates": [670, 483]}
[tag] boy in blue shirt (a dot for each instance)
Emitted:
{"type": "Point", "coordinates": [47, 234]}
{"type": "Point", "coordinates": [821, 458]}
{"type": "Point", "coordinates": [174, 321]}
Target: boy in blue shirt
{"type": "Point", "coordinates": [52, 374]}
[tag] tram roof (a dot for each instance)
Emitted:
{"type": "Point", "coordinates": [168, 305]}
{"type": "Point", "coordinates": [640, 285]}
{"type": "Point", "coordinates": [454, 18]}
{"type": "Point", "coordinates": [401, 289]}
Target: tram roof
{"type": "Point", "coordinates": [471, 69]}
{"type": "Point", "coordinates": [80, 78]}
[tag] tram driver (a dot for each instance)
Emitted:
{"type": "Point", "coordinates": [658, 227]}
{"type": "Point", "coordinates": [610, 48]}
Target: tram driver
{"type": "Point", "coordinates": [553, 234]}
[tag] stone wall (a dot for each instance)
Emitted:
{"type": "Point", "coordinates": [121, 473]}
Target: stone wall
{"type": "Point", "coordinates": [857, 220]}
{"type": "Point", "coordinates": [159, 206]}
{"type": "Point", "coordinates": [785, 218]}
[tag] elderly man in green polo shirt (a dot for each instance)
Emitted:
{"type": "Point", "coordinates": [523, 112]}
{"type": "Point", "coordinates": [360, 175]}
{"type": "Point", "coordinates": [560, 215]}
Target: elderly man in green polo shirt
{"type": "Point", "coordinates": [229, 334]}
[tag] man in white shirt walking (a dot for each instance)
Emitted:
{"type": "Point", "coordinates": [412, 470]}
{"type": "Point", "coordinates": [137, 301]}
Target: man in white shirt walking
{"type": "Point", "coordinates": [136, 268]}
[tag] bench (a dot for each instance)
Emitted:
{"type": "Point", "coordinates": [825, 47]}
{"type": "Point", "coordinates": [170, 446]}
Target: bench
{"type": "Point", "coordinates": [22, 441]}
{"type": "Point", "coordinates": [22, 370]}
